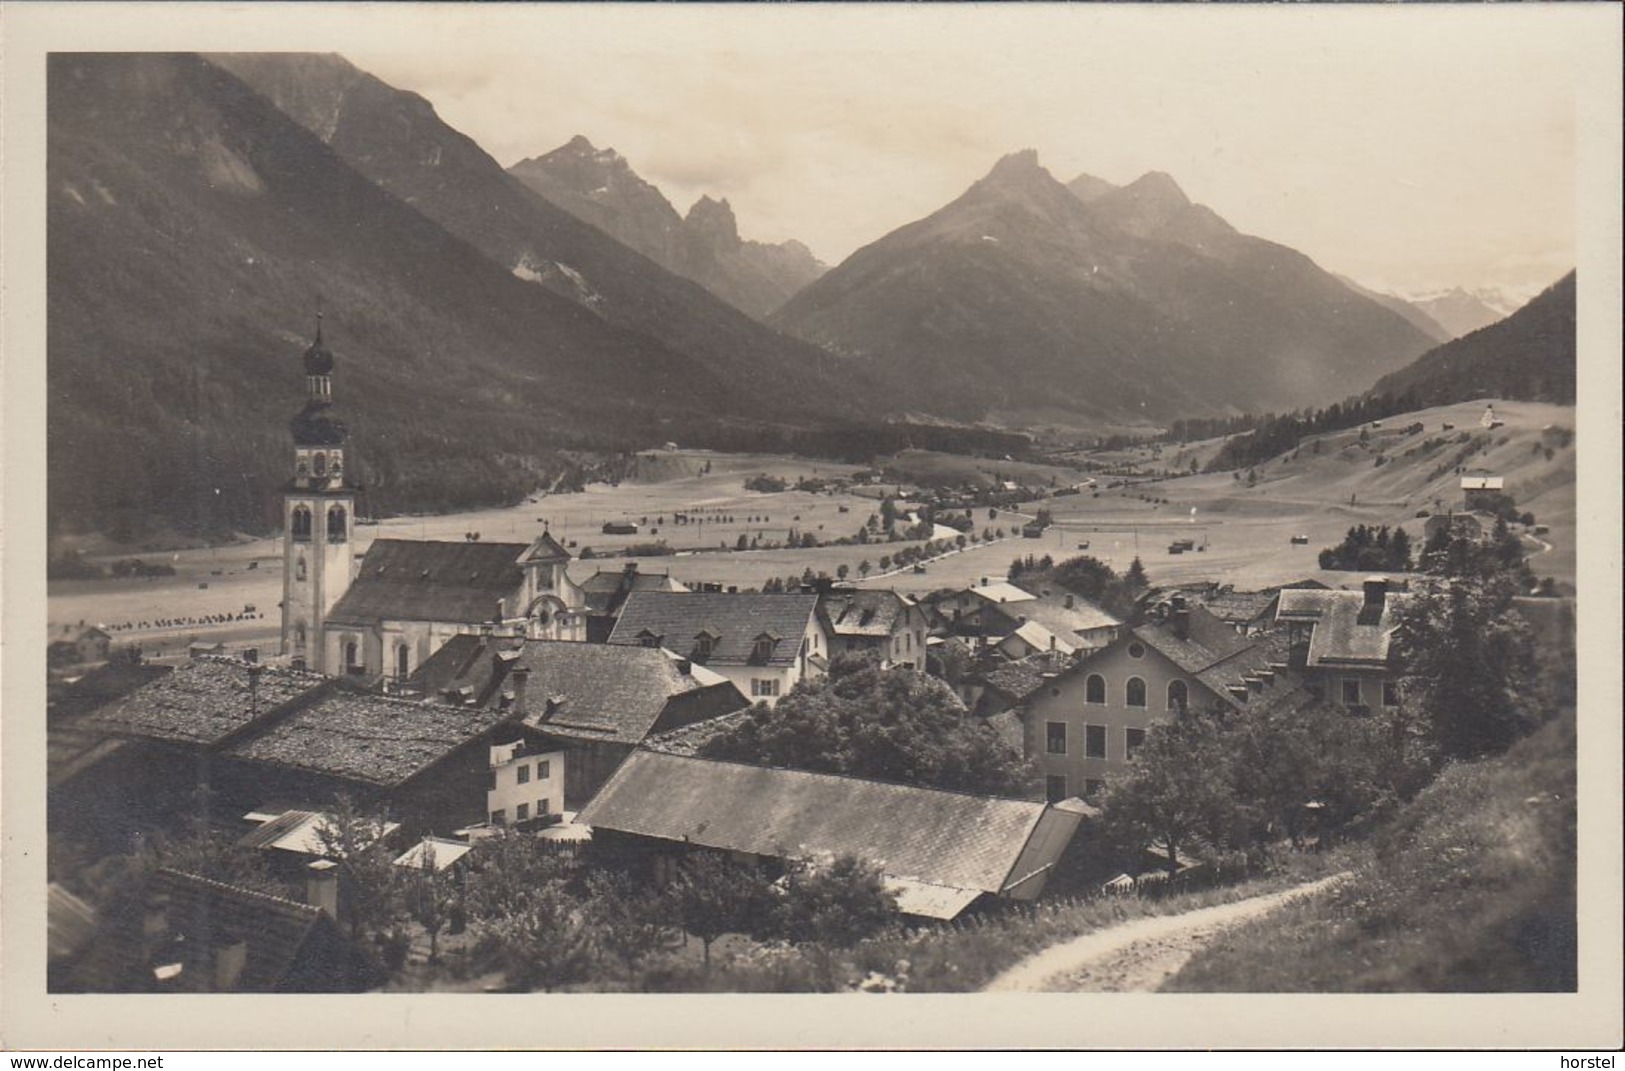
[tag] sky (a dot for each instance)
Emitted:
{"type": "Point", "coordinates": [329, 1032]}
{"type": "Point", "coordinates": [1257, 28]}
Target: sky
{"type": "Point", "coordinates": [1410, 149]}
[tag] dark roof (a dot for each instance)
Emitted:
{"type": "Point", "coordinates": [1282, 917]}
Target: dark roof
{"type": "Point", "coordinates": [466, 668]}
{"type": "Point", "coordinates": [371, 739]}
{"type": "Point", "coordinates": [409, 580]}
{"type": "Point", "coordinates": [203, 701]}
{"type": "Point", "coordinates": [1240, 607]}
{"type": "Point", "coordinates": [944, 838]}
{"type": "Point", "coordinates": [1220, 658]}
{"type": "Point", "coordinates": [1207, 641]}
{"type": "Point", "coordinates": [862, 613]}
{"type": "Point", "coordinates": [1343, 635]}
{"type": "Point", "coordinates": [201, 914]}
{"type": "Point", "coordinates": [317, 424]}
{"type": "Point", "coordinates": [735, 620]}
{"type": "Point", "coordinates": [593, 691]}
{"type": "Point", "coordinates": [605, 590]}
{"type": "Point", "coordinates": [318, 358]}
{"type": "Point", "coordinates": [100, 686]}
{"type": "Point", "coordinates": [1020, 679]}
{"type": "Point", "coordinates": [688, 739]}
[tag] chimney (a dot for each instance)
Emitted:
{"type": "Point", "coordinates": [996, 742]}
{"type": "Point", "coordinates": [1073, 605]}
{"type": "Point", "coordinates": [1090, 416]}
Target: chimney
{"type": "Point", "coordinates": [1179, 617]}
{"type": "Point", "coordinates": [1376, 593]}
{"type": "Point", "coordinates": [1069, 602]}
{"type": "Point", "coordinates": [1052, 643]}
{"type": "Point", "coordinates": [520, 675]}
{"type": "Point", "coordinates": [685, 667]}
{"type": "Point", "coordinates": [230, 957]}
{"type": "Point", "coordinates": [322, 886]}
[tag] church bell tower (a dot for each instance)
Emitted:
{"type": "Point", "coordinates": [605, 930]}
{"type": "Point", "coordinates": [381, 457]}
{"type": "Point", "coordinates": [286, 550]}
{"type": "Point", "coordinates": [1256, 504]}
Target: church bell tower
{"type": "Point", "coordinates": [318, 515]}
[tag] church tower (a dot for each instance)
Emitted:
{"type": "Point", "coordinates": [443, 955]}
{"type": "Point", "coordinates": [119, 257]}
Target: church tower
{"type": "Point", "coordinates": [318, 515]}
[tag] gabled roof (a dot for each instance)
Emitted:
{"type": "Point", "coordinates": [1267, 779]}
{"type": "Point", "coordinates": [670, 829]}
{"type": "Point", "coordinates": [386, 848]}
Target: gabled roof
{"type": "Point", "coordinates": [674, 619]}
{"type": "Point", "coordinates": [1207, 641]}
{"type": "Point", "coordinates": [1000, 592]}
{"type": "Point", "coordinates": [1240, 607]}
{"type": "Point", "coordinates": [1343, 635]}
{"type": "Point", "coordinates": [206, 913]}
{"type": "Point", "coordinates": [1054, 613]}
{"type": "Point", "coordinates": [605, 590]}
{"type": "Point", "coordinates": [204, 701]}
{"type": "Point", "coordinates": [410, 580]}
{"type": "Point", "coordinates": [370, 739]}
{"type": "Point", "coordinates": [302, 832]}
{"type": "Point", "coordinates": [1039, 637]}
{"type": "Point", "coordinates": [544, 548]}
{"type": "Point", "coordinates": [603, 692]}
{"type": "Point", "coordinates": [926, 835]}
{"type": "Point", "coordinates": [100, 686]}
{"type": "Point", "coordinates": [870, 612]}
{"type": "Point", "coordinates": [467, 667]}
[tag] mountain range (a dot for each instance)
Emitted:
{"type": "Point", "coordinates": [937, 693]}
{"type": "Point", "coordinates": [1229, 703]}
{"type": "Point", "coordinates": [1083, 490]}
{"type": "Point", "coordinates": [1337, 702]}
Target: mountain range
{"type": "Point", "coordinates": [1114, 301]}
{"type": "Point", "coordinates": [1461, 312]}
{"type": "Point", "coordinates": [600, 187]}
{"type": "Point", "coordinates": [194, 228]}
{"type": "Point", "coordinates": [1529, 356]}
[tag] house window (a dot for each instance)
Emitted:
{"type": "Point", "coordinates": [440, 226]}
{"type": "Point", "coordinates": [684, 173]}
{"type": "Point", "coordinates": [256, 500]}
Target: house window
{"type": "Point", "coordinates": [764, 689]}
{"type": "Point", "coordinates": [1351, 692]}
{"type": "Point", "coordinates": [1094, 741]}
{"type": "Point", "coordinates": [350, 656]}
{"type": "Point", "coordinates": [521, 812]}
{"type": "Point", "coordinates": [1055, 787]}
{"type": "Point", "coordinates": [1134, 692]}
{"type": "Point", "coordinates": [522, 775]}
{"type": "Point", "coordinates": [1179, 695]}
{"type": "Point", "coordinates": [499, 816]}
{"type": "Point", "coordinates": [543, 807]}
{"type": "Point", "coordinates": [1092, 788]}
{"type": "Point", "coordinates": [1094, 689]}
{"type": "Point", "coordinates": [704, 645]}
{"type": "Point", "coordinates": [1133, 740]}
{"type": "Point", "coordinates": [544, 770]}
{"type": "Point", "coordinates": [1390, 694]}
{"type": "Point", "coordinates": [1055, 737]}
{"type": "Point", "coordinates": [763, 649]}
{"type": "Point", "coordinates": [301, 525]}
{"type": "Point", "coordinates": [403, 660]}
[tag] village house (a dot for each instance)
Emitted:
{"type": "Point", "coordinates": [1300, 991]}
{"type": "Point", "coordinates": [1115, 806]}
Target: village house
{"type": "Point", "coordinates": [605, 591]}
{"type": "Point", "coordinates": [581, 709]}
{"type": "Point", "coordinates": [1084, 725]}
{"type": "Point", "coordinates": [875, 621]}
{"type": "Point", "coordinates": [1472, 526]}
{"type": "Point", "coordinates": [992, 612]}
{"type": "Point", "coordinates": [1341, 641]}
{"type": "Point", "coordinates": [765, 644]}
{"type": "Point", "coordinates": [1483, 492]}
{"type": "Point", "coordinates": [939, 851]}
{"type": "Point", "coordinates": [78, 645]}
{"type": "Point", "coordinates": [191, 934]}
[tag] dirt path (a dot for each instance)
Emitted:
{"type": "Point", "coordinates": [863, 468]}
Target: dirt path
{"type": "Point", "coordinates": [1138, 956]}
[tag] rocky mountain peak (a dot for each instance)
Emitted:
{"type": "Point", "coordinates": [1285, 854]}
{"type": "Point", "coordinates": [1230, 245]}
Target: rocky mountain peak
{"type": "Point", "coordinates": [713, 222]}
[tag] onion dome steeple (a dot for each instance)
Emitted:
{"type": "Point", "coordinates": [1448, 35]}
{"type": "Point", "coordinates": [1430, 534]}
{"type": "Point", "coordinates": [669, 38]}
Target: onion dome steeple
{"type": "Point", "coordinates": [316, 424]}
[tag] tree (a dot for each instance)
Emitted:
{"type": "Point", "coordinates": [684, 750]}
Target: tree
{"type": "Point", "coordinates": [353, 837]}
{"type": "Point", "coordinates": [888, 514]}
{"type": "Point", "coordinates": [713, 896]}
{"type": "Point", "coordinates": [864, 567]}
{"type": "Point", "coordinates": [631, 923]}
{"type": "Point", "coordinates": [1137, 580]}
{"type": "Point", "coordinates": [1178, 791]}
{"type": "Point", "coordinates": [1467, 663]}
{"type": "Point", "coordinates": [544, 944]}
{"type": "Point", "coordinates": [893, 724]}
{"type": "Point", "coordinates": [431, 896]}
{"type": "Point", "coordinates": [842, 570]}
{"type": "Point", "coordinates": [836, 905]}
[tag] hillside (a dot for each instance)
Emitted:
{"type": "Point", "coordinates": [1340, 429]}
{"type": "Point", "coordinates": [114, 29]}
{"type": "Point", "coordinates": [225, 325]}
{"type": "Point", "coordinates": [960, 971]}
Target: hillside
{"type": "Point", "coordinates": [194, 229]}
{"type": "Point", "coordinates": [599, 187]}
{"type": "Point", "coordinates": [1470, 888]}
{"type": "Point", "coordinates": [1414, 313]}
{"type": "Point", "coordinates": [1529, 356]}
{"type": "Point", "coordinates": [1133, 305]}
{"type": "Point", "coordinates": [396, 139]}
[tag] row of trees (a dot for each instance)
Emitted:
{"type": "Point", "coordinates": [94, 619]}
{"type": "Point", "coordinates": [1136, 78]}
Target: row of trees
{"type": "Point", "coordinates": [1370, 548]}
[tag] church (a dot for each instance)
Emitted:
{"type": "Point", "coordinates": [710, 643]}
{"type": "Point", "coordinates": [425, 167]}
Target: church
{"type": "Point", "coordinates": [384, 616]}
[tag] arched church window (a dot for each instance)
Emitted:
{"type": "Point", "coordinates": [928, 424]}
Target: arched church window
{"type": "Point", "coordinates": [321, 464]}
{"type": "Point", "coordinates": [301, 524]}
{"type": "Point", "coordinates": [351, 661]}
{"type": "Point", "coordinates": [1178, 695]}
{"type": "Point", "coordinates": [335, 524]}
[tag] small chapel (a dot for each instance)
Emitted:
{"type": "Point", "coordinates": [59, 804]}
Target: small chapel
{"type": "Point", "coordinates": [384, 615]}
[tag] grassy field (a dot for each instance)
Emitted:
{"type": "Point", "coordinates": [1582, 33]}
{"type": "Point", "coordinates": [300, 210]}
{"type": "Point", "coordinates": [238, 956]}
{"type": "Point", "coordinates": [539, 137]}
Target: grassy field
{"type": "Point", "coordinates": [1245, 532]}
{"type": "Point", "coordinates": [1470, 889]}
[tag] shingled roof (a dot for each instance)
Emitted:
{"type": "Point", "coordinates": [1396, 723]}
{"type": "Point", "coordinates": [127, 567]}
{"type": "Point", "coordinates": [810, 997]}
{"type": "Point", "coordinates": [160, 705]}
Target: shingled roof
{"type": "Point", "coordinates": [604, 591]}
{"type": "Point", "coordinates": [370, 739]}
{"type": "Point", "coordinates": [1346, 630]}
{"type": "Point", "coordinates": [870, 612]}
{"type": "Point", "coordinates": [600, 692]}
{"type": "Point", "coordinates": [1220, 658]}
{"type": "Point", "coordinates": [734, 622]}
{"type": "Point", "coordinates": [204, 701]}
{"type": "Point", "coordinates": [927, 835]}
{"type": "Point", "coordinates": [291, 947]}
{"type": "Point", "coordinates": [410, 580]}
